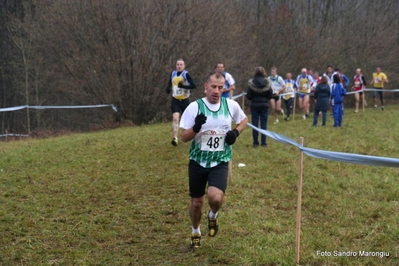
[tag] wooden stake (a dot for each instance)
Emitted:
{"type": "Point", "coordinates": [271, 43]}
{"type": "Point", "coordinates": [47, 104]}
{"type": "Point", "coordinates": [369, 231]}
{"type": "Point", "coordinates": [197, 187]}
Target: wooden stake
{"type": "Point", "coordinates": [299, 207]}
{"type": "Point", "coordinates": [6, 135]}
{"type": "Point", "coordinates": [363, 100]}
{"type": "Point", "coordinates": [230, 172]}
{"type": "Point", "coordinates": [293, 113]}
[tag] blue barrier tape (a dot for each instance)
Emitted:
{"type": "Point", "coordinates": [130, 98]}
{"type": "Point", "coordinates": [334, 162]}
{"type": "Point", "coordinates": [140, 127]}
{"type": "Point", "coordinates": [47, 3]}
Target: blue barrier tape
{"type": "Point", "coordinates": [344, 157]}
{"type": "Point", "coordinates": [9, 109]}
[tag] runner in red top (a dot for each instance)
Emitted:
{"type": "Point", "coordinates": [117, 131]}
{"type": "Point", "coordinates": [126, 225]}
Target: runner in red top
{"type": "Point", "coordinates": [359, 83]}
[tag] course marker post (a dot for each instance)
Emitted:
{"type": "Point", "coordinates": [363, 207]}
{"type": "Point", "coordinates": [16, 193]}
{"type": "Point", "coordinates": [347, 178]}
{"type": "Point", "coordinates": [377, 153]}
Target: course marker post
{"type": "Point", "coordinates": [230, 175]}
{"type": "Point", "coordinates": [363, 98]}
{"type": "Point", "coordinates": [230, 165]}
{"type": "Point", "coordinates": [242, 102]}
{"type": "Point", "coordinates": [293, 112]}
{"type": "Point", "coordinates": [299, 206]}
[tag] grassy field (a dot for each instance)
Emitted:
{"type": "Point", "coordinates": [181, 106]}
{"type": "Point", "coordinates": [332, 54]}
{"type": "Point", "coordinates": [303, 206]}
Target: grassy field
{"type": "Point", "coordinates": [120, 197]}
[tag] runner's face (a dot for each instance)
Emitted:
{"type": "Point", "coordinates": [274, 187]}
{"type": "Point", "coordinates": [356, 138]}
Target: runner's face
{"type": "Point", "coordinates": [288, 76]}
{"type": "Point", "coordinates": [378, 70]}
{"type": "Point", "coordinates": [329, 70]}
{"type": "Point", "coordinates": [220, 67]}
{"type": "Point", "coordinates": [214, 88]}
{"type": "Point", "coordinates": [358, 72]}
{"type": "Point", "coordinates": [180, 66]}
{"type": "Point", "coordinates": [273, 72]}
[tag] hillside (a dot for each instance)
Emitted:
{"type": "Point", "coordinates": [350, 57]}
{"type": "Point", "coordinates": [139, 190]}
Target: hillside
{"type": "Point", "coordinates": [120, 197]}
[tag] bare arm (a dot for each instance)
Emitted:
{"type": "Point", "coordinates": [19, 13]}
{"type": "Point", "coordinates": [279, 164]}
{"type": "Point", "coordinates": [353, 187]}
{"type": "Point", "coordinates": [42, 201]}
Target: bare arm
{"type": "Point", "coordinates": [241, 126]}
{"type": "Point", "coordinates": [232, 87]}
{"type": "Point", "coordinates": [187, 134]}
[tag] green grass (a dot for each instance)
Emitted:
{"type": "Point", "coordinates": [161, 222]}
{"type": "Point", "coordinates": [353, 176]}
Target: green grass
{"type": "Point", "coordinates": [120, 197]}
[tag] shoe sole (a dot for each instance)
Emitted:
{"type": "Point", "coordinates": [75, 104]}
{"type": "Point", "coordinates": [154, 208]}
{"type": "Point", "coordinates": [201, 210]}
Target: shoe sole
{"type": "Point", "coordinates": [195, 244]}
{"type": "Point", "coordinates": [212, 230]}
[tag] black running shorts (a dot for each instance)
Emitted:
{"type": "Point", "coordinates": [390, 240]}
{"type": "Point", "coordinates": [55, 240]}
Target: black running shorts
{"type": "Point", "coordinates": [198, 176]}
{"type": "Point", "coordinates": [179, 105]}
{"type": "Point", "coordinates": [276, 98]}
{"type": "Point", "coordinates": [380, 93]}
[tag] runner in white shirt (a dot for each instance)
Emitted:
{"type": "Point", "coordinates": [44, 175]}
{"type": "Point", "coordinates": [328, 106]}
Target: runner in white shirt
{"type": "Point", "coordinates": [278, 87]}
{"type": "Point", "coordinates": [207, 124]}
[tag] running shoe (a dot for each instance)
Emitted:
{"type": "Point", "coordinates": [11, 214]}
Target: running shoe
{"type": "Point", "coordinates": [304, 117]}
{"type": "Point", "coordinates": [375, 106]}
{"type": "Point", "coordinates": [195, 240]}
{"type": "Point", "coordinates": [287, 118]}
{"type": "Point", "coordinates": [382, 108]}
{"type": "Point", "coordinates": [213, 226]}
{"type": "Point", "coordinates": [276, 122]}
{"type": "Point", "coordinates": [174, 142]}
{"type": "Point", "coordinates": [282, 113]}
{"type": "Point", "coordinates": [356, 111]}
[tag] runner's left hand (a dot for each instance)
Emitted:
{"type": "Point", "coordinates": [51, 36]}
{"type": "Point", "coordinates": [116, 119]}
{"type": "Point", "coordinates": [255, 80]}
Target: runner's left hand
{"type": "Point", "coordinates": [231, 136]}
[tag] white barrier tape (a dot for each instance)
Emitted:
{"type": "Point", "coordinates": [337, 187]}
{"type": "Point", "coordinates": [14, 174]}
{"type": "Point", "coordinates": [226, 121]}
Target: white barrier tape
{"type": "Point", "coordinates": [13, 135]}
{"type": "Point", "coordinates": [239, 95]}
{"type": "Point", "coordinates": [312, 94]}
{"type": "Point", "coordinates": [374, 89]}
{"type": "Point", "coordinates": [9, 109]}
{"type": "Point", "coordinates": [332, 155]}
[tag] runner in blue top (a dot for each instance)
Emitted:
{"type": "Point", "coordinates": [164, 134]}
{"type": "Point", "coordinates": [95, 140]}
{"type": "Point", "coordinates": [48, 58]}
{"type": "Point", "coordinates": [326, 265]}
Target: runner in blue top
{"type": "Point", "coordinates": [230, 84]}
{"type": "Point", "coordinates": [337, 98]}
{"type": "Point", "coordinates": [343, 79]}
{"type": "Point", "coordinates": [304, 82]}
{"type": "Point", "coordinates": [180, 84]}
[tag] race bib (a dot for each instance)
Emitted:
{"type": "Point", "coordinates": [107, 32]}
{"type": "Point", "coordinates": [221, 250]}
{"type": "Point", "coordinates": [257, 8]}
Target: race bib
{"type": "Point", "coordinates": [377, 80]}
{"type": "Point", "coordinates": [177, 91]}
{"type": "Point", "coordinates": [357, 84]}
{"type": "Point", "coordinates": [304, 87]}
{"type": "Point", "coordinates": [212, 140]}
{"type": "Point", "coordinates": [289, 88]}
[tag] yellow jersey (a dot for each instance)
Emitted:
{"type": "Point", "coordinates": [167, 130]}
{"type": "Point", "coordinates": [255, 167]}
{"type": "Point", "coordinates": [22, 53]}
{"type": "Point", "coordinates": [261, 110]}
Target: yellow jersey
{"type": "Point", "coordinates": [378, 78]}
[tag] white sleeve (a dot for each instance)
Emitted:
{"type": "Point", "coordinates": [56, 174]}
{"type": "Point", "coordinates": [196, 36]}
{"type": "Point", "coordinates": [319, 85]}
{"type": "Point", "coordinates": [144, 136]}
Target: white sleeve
{"type": "Point", "coordinates": [235, 111]}
{"type": "Point", "coordinates": [230, 79]}
{"type": "Point", "coordinates": [188, 117]}
{"type": "Point", "coordinates": [297, 81]}
{"type": "Point", "coordinates": [281, 81]}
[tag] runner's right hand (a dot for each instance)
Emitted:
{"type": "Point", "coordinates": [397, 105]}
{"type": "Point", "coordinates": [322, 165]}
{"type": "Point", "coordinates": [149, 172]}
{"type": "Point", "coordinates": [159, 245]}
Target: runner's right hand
{"type": "Point", "coordinates": [199, 121]}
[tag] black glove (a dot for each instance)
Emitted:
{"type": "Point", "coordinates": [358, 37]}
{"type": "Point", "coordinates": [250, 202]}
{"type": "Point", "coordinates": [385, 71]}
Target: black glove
{"type": "Point", "coordinates": [199, 121]}
{"type": "Point", "coordinates": [231, 136]}
{"type": "Point", "coordinates": [168, 90]}
{"type": "Point", "coordinates": [180, 85]}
